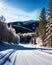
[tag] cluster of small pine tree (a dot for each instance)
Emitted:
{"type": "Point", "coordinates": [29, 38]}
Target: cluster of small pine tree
{"type": "Point", "coordinates": [41, 30]}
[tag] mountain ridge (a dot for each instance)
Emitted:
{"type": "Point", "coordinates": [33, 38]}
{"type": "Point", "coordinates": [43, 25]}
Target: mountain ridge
{"type": "Point", "coordinates": [25, 26]}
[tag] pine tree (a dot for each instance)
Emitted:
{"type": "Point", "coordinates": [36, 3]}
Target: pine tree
{"type": "Point", "coordinates": [50, 11]}
{"type": "Point", "coordinates": [42, 24]}
{"type": "Point", "coordinates": [50, 20]}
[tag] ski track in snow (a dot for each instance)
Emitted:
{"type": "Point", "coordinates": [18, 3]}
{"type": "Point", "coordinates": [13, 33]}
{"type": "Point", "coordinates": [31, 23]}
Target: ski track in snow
{"type": "Point", "coordinates": [25, 54]}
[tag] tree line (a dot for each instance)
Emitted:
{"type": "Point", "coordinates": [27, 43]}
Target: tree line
{"type": "Point", "coordinates": [8, 34]}
{"type": "Point", "coordinates": [43, 20]}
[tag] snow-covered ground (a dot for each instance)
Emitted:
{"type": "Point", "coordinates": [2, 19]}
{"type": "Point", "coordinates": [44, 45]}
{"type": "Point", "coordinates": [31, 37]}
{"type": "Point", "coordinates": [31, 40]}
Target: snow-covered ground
{"type": "Point", "coordinates": [25, 54]}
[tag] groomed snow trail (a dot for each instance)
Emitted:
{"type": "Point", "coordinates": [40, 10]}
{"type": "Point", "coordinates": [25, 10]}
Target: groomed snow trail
{"type": "Point", "coordinates": [23, 55]}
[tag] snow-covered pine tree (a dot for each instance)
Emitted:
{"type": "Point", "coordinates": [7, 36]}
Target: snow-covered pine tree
{"type": "Point", "coordinates": [50, 21]}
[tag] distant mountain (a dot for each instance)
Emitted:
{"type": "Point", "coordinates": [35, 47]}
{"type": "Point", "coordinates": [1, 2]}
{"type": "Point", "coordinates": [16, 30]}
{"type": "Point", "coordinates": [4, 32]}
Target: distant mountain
{"type": "Point", "coordinates": [24, 26]}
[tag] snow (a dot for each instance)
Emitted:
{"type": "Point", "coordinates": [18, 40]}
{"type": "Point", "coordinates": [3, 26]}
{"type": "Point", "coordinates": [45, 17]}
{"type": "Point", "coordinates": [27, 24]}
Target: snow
{"type": "Point", "coordinates": [43, 49]}
{"type": "Point", "coordinates": [25, 54]}
{"type": "Point", "coordinates": [38, 41]}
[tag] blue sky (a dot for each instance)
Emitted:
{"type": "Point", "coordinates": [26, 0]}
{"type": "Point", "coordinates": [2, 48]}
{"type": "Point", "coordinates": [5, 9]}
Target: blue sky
{"type": "Point", "coordinates": [20, 10]}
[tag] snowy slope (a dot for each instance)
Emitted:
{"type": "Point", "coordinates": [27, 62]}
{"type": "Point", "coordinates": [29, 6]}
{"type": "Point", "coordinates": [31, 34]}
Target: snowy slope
{"type": "Point", "coordinates": [24, 54]}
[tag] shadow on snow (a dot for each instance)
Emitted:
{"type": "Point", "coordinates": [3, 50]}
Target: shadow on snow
{"type": "Point", "coordinates": [6, 57]}
{"type": "Point", "coordinates": [18, 47]}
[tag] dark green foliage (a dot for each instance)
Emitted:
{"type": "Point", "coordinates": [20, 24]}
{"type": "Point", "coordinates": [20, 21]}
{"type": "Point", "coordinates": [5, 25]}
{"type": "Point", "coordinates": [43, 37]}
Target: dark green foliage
{"type": "Point", "coordinates": [50, 11]}
{"type": "Point", "coordinates": [42, 24]}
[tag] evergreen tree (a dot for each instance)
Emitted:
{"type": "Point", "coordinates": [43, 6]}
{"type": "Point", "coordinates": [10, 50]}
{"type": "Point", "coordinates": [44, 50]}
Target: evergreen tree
{"type": "Point", "coordinates": [50, 20]}
{"type": "Point", "coordinates": [50, 11]}
{"type": "Point", "coordinates": [42, 24]}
